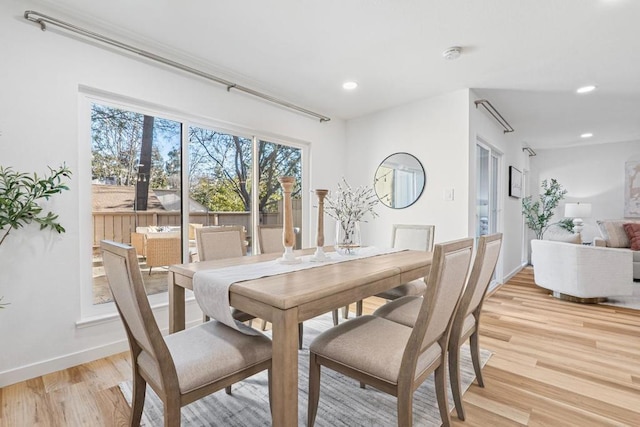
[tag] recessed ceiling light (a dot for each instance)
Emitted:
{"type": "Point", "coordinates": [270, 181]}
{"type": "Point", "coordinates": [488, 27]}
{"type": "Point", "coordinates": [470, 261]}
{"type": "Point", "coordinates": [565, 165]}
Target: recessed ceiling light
{"type": "Point", "coordinates": [586, 89]}
{"type": "Point", "coordinates": [586, 135]}
{"type": "Point", "coordinates": [349, 85]}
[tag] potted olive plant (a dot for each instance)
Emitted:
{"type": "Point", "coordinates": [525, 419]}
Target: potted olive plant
{"type": "Point", "coordinates": [538, 214]}
{"type": "Point", "coordinates": [19, 196]}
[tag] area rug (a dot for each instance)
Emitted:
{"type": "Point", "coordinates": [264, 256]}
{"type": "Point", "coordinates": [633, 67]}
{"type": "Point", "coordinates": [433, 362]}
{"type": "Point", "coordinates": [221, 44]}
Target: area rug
{"type": "Point", "coordinates": [342, 401]}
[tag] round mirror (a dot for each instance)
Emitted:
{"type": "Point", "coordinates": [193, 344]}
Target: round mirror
{"type": "Point", "coordinates": [399, 180]}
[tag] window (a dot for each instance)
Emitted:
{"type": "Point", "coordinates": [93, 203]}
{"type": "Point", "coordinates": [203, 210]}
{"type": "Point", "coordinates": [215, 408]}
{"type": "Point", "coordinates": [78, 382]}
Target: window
{"type": "Point", "coordinates": [137, 194]}
{"type": "Point", "coordinates": [221, 171]}
{"type": "Point", "coordinates": [135, 189]}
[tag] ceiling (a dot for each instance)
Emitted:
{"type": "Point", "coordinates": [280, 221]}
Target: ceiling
{"type": "Point", "coordinates": [526, 57]}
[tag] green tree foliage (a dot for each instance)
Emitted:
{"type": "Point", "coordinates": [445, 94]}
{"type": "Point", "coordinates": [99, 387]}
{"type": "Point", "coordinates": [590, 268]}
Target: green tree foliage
{"type": "Point", "coordinates": [116, 137]}
{"type": "Point", "coordinates": [220, 166]}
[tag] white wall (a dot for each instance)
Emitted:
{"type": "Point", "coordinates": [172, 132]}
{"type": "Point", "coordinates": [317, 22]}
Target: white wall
{"type": "Point", "coordinates": [441, 132]}
{"type": "Point", "coordinates": [591, 174]}
{"type": "Point", "coordinates": [39, 120]}
{"type": "Point", "coordinates": [485, 127]}
{"type": "Point", "coordinates": [435, 130]}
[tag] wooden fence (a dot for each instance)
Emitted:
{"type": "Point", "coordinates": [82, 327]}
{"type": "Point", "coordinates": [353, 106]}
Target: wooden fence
{"type": "Point", "coordinates": [117, 225]}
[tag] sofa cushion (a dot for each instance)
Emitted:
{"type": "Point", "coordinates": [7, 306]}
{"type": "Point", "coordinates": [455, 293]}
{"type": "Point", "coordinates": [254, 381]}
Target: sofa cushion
{"type": "Point", "coordinates": [633, 233]}
{"type": "Point", "coordinates": [613, 233]}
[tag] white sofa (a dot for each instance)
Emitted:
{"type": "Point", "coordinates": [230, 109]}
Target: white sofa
{"type": "Point", "coordinates": [582, 273]}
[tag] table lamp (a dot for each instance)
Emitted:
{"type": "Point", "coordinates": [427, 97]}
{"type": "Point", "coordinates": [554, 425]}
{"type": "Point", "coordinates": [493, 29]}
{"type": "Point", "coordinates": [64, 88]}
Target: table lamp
{"type": "Point", "coordinates": [577, 211]}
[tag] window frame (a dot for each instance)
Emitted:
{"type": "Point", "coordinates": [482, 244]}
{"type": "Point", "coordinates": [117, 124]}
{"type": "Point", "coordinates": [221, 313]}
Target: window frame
{"type": "Point", "coordinates": [95, 313]}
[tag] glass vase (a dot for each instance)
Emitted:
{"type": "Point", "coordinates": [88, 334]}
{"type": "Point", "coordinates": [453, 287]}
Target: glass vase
{"type": "Point", "coordinates": [348, 238]}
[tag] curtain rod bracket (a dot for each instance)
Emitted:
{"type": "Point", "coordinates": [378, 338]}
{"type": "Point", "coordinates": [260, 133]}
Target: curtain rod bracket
{"type": "Point", "coordinates": [43, 20]}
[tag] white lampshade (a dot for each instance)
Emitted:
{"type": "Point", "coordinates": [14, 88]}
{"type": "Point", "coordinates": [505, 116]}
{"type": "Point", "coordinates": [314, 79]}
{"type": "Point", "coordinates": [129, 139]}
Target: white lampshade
{"type": "Point", "coordinates": [577, 210]}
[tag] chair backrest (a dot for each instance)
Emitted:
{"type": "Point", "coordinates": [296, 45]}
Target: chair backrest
{"type": "Point", "coordinates": [219, 242]}
{"type": "Point", "coordinates": [487, 254]}
{"type": "Point", "coordinates": [192, 230]}
{"type": "Point", "coordinates": [449, 269]}
{"type": "Point", "coordinates": [270, 239]}
{"type": "Point", "coordinates": [126, 284]}
{"type": "Point", "coordinates": [415, 237]}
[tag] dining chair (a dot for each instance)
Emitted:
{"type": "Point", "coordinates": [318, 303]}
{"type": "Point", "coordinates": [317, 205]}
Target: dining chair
{"type": "Point", "coordinates": [220, 242]}
{"type": "Point", "coordinates": [466, 322]}
{"type": "Point", "coordinates": [392, 357]}
{"type": "Point", "coordinates": [270, 241]}
{"type": "Point", "coordinates": [182, 367]}
{"type": "Point", "coordinates": [405, 236]}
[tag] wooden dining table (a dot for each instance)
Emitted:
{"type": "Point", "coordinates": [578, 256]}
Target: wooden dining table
{"type": "Point", "coordinates": [288, 299]}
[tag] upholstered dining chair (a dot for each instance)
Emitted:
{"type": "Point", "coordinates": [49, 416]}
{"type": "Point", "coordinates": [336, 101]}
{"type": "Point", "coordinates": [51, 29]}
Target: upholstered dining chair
{"type": "Point", "coordinates": [405, 236]}
{"type": "Point", "coordinates": [270, 241]}
{"type": "Point", "coordinates": [181, 367]}
{"type": "Point", "coordinates": [392, 357]}
{"type": "Point", "coordinates": [466, 322]}
{"type": "Point", "coordinates": [220, 242]}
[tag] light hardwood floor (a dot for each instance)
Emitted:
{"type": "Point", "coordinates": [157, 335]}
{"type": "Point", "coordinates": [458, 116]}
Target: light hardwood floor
{"type": "Point", "coordinates": [554, 363]}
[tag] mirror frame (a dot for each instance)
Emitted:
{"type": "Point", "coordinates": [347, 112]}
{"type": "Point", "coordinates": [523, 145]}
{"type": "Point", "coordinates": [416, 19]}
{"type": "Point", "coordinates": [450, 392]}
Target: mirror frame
{"type": "Point", "coordinates": [424, 184]}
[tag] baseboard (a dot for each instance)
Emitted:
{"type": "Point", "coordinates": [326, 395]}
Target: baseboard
{"type": "Point", "coordinates": [505, 279]}
{"type": "Point", "coordinates": [67, 361]}
{"type": "Point", "coordinates": [44, 367]}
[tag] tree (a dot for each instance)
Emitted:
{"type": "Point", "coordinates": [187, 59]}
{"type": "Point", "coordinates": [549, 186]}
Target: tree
{"type": "Point", "coordinates": [223, 162]}
{"type": "Point", "coordinates": [125, 148]}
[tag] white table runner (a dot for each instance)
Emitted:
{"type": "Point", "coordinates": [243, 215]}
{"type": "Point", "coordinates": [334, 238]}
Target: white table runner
{"type": "Point", "coordinates": [211, 287]}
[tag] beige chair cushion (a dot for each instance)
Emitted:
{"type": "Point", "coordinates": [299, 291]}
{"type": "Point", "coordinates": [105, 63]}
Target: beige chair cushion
{"type": "Point", "coordinates": [403, 310]}
{"type": "Point", "coordinates": [371, 344]}
{"type": "Point", "coordinates": [208, 352]}
{"type": "Point", "coordinates": [414, 288]}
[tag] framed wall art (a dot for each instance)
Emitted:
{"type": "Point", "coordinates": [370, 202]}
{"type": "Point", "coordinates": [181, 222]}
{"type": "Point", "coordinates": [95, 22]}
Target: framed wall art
{"type": "Point", "coordinates": [632, 190]}
{"type": "Point", "coordinates": [515, 182]}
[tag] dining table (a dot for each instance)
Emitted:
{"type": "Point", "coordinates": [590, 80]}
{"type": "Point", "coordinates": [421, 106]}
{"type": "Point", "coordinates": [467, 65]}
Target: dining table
{"type": "Point", "coordinates": [287, 299]}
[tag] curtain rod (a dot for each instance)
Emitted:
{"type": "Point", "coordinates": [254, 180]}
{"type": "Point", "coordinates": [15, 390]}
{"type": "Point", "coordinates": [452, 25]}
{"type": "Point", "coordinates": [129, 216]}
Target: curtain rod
{"type": "Point", "coordinates": [43, 20]}
{"type": "Point", "coordinates": [491, 109]}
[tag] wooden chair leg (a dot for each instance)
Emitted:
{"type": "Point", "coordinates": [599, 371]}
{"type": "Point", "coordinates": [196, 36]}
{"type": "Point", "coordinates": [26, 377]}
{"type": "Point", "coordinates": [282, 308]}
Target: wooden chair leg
{"type": "Point", "coordinates": [137, 399]}
{"type": "Point", "coordinates": [345, 311]}
{"type": "Point", "coordinates": [441, 393]}
{"type": "Point", "coordinates": [300, 335]}
{"type": "Point", "coordinates": [405, 407]}
{"type": "Point", "coordinates": [359, 308]}
{"type": "Point", "coordinates": [270, 390]}
{"type": "Point", "coordinates": [454, 377]}
{"type": "Point", "coordinates": [314, 390]}
{"type": "Point", "coordinates": [335, 317]}
{"type": "Point", "coordinates": [172, 411]}
{"type": "Point", "coordinates": [474, 345]}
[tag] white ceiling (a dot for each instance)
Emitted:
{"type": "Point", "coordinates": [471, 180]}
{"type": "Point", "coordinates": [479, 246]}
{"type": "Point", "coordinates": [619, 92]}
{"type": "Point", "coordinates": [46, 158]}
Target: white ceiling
{"type": "Point", "coordinates": [527, 56]}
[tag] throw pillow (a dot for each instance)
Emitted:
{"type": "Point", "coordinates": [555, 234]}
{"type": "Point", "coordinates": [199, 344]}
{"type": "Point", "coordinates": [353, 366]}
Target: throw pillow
{"type": "Point", "coordinates": [633, 232]}
{"type": "Point", "coordinates": [612, 231]}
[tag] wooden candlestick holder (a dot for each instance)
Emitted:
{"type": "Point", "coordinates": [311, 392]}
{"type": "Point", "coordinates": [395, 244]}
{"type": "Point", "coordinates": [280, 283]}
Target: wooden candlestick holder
{"type": "Point", "coordinates": [319, 255]}
{"type": "Point", "coordinates": [288, 237]}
